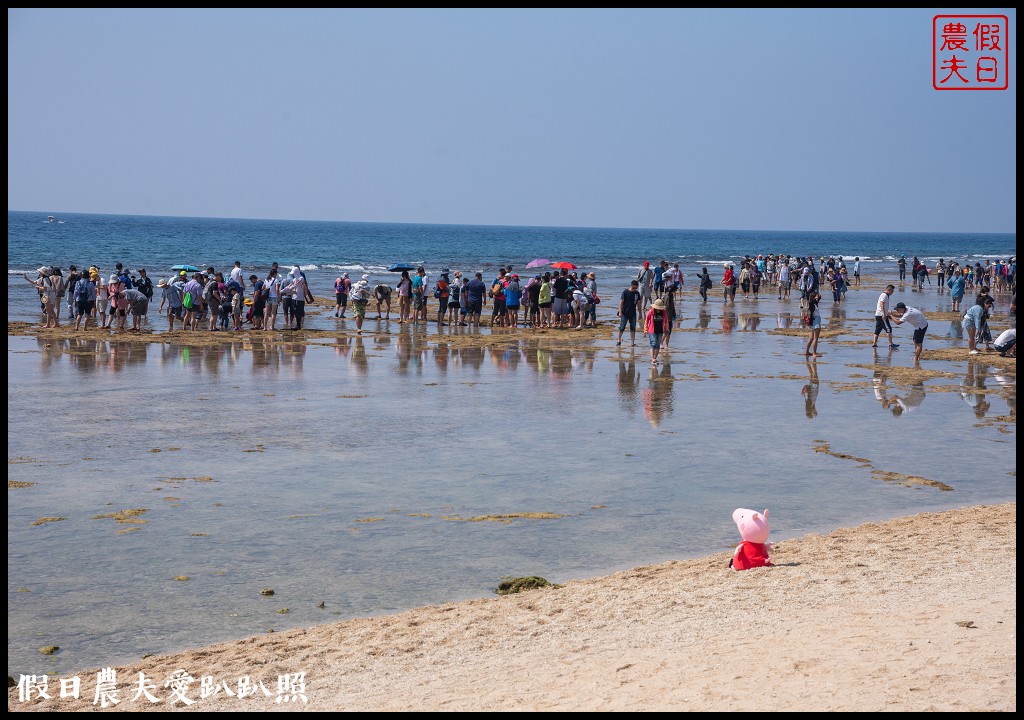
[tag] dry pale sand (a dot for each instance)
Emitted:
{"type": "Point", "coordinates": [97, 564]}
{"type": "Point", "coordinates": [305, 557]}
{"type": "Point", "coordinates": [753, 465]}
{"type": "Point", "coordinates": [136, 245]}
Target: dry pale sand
{"type": "Point", "coordinates": [915, 614]}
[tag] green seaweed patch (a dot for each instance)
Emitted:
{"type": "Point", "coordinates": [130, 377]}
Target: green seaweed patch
{"type": "Point", "coordinates": [44, 520]}
{"type": "Point", "coordinates": [780, 376]}
{"type": "Point", "coordinates": [802, 332]}
{"type": "Point", "coordinates": [823, 447]}
{"type": "Point", "coordinates": [838, 387]}
{"type": "Point", "coordinates": [513, 585]}
{"type": "Point", "coordinates": [369, 520]}
{"type": "Point", "coordinates": [351, 397]}
{"type": "Point", "coordinates": [182, 578]}
{"type": "Point", "coordinates": [904, 375]}
{"type": "Point", "coordinates": [598, 507]}
{"type": "Point", "coordinates": [200, 479]}
{"type": "Point", "coordinates": [12, 484]}
{"type": "Point", "coordinates": [282, 611]}
{"type": "Point", "coordinates": [999, 422]}
{"type": "Point", "coordinates": [172, 449]}
{"type": "Point", "coordinates": [21, 460]}
{"type": "Point", "coordinates": [507, 518]}
{"type": "Point", "coordinates": [154, 450]}
{"type": "Point", "coordinates": [420, 515]}
{"type": "Point", "coordinates": [125, 531]}
{"type": "Point", "coordinates": [124, 516]}
{"type": "Point", "coordinates": [909, 480]}
{"type": "Point", "coordinates": [267, 592]}
{"type": "Point", "coordinates": [258, 448]}
{"type": "Point", "coordinates": [49, 649]}
{"type": "Point", "coordinates": [23, 589]}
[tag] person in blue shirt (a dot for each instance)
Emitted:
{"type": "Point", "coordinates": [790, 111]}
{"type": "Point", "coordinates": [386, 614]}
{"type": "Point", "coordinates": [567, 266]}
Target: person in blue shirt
{"type": "Point", "coordinates": [957, 285]}
{"type": "Point", "coordinates": [659, 279]}
{"type": "Point", "coordinates": [974, 321]}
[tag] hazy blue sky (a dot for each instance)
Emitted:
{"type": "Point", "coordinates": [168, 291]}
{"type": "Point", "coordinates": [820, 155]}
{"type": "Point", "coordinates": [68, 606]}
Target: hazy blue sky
{"type": "Point", "coordinates": [731, 119]}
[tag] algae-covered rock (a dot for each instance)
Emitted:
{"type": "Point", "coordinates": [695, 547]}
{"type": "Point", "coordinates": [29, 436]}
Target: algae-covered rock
{"type": "Point", "coordinates": [509, 586]}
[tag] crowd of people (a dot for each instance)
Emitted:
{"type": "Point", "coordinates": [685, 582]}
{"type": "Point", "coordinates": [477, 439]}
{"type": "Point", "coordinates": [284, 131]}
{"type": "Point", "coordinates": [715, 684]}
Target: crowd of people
{"type": "Point", "coordinates": [559, 298]}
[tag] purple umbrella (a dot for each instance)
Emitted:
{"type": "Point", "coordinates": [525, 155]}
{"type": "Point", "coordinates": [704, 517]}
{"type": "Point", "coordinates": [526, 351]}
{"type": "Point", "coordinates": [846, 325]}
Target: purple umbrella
{"type": "Point", "coordinates": [539, 262]}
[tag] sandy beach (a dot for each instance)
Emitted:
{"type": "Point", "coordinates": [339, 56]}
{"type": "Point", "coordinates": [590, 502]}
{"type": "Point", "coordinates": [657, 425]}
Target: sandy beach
{"type": "Point", "coordinates": [913, 614]}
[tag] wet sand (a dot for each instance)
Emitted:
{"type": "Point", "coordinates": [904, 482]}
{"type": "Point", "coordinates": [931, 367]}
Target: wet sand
{"type": "Point", "coordinates": [914, 614]}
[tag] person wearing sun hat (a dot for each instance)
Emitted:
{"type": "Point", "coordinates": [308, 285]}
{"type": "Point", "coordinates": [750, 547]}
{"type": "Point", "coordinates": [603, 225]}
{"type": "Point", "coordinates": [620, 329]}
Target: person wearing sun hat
{"type": "Point", "coordinates": [359, 294]}
{"type": "Point", "coordinates": [171, 295]}
{"type": "Point", "coordinates": [590, 290]}
{"type": "Point", "coordinates": [655, 322]}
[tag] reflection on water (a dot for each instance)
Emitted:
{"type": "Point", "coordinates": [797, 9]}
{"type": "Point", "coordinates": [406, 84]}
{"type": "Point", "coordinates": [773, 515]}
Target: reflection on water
{"type": "Point", "coordinates": [750, 322]}
{"type": "Point", "coordinates": [728, 319]}
{"type": "Point", "coordinates": [627, 383]}
{"type": "Point", "coordinates": [838, 316]}
{"type": "Point", "coordinates": [658, 395]}
{"type": "Point", "coordinates": [703, 318]}
{"type": "Point", "coordinates": [89, 355]}
{"type": "Point", "coordinates": [810, 389]}
{"type": "Point", "coordinates": [973, 388]}
{"type": "Point", "coordinates": [900, 400]}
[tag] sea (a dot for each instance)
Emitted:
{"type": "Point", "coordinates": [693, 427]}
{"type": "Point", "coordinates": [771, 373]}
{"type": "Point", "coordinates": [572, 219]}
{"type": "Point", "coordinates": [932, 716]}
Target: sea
{"type": "Point", "coordinates": [165, 496]}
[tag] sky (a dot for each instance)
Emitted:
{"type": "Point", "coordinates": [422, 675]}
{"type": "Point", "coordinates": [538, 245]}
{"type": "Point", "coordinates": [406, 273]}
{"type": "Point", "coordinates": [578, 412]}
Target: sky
{"type": "Point", "coordinates": [745, 119]}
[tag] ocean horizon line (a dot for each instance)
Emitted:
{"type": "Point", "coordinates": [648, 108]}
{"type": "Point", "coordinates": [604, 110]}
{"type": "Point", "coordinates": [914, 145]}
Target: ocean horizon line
{"type": "Point", "coordinates": [952, 233]}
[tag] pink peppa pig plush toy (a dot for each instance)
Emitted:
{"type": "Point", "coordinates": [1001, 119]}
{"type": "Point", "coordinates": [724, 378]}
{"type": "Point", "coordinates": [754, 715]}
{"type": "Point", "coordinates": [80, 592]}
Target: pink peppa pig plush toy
{"type": "Point", "coordinates": [753, 551]}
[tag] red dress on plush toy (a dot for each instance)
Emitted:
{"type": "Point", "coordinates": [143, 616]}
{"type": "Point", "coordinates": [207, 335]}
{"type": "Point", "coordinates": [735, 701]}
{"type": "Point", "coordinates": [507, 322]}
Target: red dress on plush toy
{"type": "Point", "coordinates": [754, 550]}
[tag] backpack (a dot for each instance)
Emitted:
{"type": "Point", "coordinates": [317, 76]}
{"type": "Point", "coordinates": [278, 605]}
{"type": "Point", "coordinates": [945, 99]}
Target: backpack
{"type": "Point", "coordinates": [187, 301]}
{"type": "Point", "coordinates": [441, 289]}
{"type": "Point", "coordinates": [498, 292]}
{"type": "Point", "coordinates": [208, 291]}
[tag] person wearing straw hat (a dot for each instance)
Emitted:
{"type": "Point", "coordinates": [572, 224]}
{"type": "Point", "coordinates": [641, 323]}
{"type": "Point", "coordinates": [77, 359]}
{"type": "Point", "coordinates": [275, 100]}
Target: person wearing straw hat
{"type": "Point", "coordinates": [655, 323]}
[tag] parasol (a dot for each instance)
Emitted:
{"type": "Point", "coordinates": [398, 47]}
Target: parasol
{"type": "Point", "coordinates": [539, 262]}
{"type": "Point", "coordinates": [563, 265]}
{"type": "Point", "coordinates": [186, 268]}
{"type": "Point", "coordinates": [399, 267]}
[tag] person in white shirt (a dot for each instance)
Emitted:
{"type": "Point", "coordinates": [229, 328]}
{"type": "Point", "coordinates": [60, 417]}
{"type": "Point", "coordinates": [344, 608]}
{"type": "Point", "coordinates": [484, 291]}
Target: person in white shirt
{"type": "Point", "coordinates": [918, 321]}
{"type": "Point", "coordinates": [882, 314]}
{"type": "Point", "coordinates": [236, 274]}
{"type": "Point", "coordinates": [1006, 343]}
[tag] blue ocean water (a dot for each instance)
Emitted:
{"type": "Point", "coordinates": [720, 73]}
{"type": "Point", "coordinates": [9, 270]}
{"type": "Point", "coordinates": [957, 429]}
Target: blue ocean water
{"type": "Point", "coordinates": [344, 470]}
{"type": "Point", "coordinates": [326, 249]}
